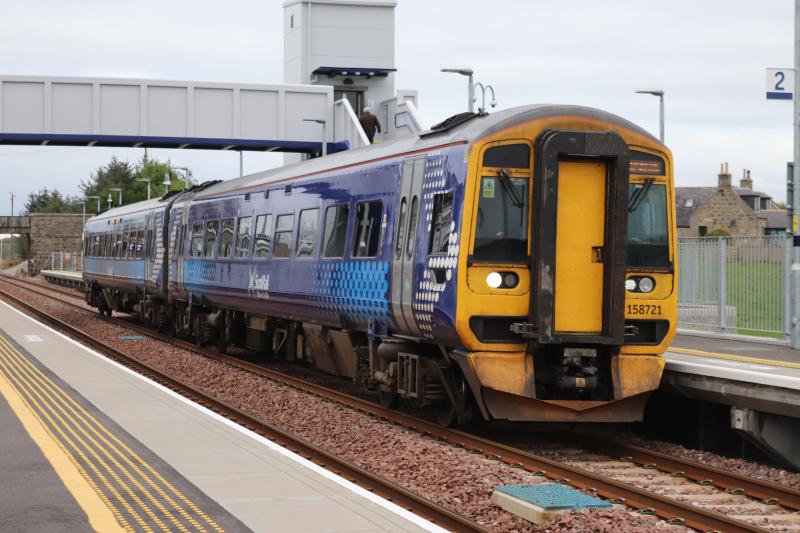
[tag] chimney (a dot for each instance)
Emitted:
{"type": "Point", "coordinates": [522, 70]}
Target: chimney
{"type": "Point", "coordinates": [724, 176]}
{"type": "Point", "coordinates": [747, 181]}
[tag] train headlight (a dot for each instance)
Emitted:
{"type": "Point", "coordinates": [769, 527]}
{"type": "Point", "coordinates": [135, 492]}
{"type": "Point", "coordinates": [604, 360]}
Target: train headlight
{"type": "Point", "coordinates": [646, 284]}
{"type": "Point", "coordinates": [494, 280]}
{"type": "Point", "coordinates": [630, 284]}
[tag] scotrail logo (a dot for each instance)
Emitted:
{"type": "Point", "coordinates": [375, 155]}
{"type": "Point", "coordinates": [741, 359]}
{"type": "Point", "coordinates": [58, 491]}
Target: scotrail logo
{"type": "Point", "coordinates": [259, 285]}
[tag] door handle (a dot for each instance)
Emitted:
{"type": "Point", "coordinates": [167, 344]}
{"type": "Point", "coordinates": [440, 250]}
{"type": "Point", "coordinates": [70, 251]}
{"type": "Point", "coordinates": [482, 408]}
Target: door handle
{"type": "Point", "coordinates": [597, 254]}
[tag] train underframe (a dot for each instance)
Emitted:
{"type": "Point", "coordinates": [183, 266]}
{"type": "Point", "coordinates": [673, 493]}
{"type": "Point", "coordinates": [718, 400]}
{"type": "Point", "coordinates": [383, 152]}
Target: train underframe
{"type": "Point", "coordinates": [549, 383]}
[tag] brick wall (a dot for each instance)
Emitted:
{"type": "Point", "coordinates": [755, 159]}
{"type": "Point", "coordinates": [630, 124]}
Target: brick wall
{"type": "Point", "coordinates": [53, 232]}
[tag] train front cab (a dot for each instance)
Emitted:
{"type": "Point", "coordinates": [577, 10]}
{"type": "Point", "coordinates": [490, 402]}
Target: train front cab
{"type": "Point", "coordinates": [568, 300]}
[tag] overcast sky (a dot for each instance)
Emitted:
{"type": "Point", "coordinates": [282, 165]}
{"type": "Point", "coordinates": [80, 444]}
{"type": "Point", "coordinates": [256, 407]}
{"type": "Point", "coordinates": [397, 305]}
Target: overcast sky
{"type": "Point", "coordinates": [709, 56]}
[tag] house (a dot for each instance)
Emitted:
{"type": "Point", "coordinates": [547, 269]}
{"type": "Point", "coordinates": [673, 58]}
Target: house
{"type": "Point", "coordinates": [728, 210]}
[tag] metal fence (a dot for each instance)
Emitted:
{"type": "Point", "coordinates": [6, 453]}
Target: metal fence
{"type": "Point", "coordinates": [65, 261]}
{"type": "Point", "coordinates": [735, 285]}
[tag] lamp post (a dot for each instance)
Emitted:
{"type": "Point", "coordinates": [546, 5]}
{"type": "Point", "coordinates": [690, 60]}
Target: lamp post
{"type": "Point", "coordinates": [116, 189]}
{"type": "Point", "coordinates": [484, 88]}
{"type": "Point", "coordinates": [167, 183]}
{"type": "Point", "coordinates": [98, 201]}
{"type": "Point", "coordinates": [187, 176]}
{"type": "Point", "coordinates": [148, 185]}
{"type": "Point", "coordinates": [468, 72]}
{"type": "Point", "coordinates": [660, 94]}
{"type": "Point", "coordinates": [109, 200]}
{"type": "Point", "coordinates": [324, 134]}
{"type": "Point", "coordinates": [12, 203]}
{"type": "Point", "coordinates": [83, 205]}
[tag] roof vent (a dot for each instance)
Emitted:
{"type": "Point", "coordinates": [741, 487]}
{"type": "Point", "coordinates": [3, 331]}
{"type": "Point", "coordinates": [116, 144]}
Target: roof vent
{"type": "Point", "coordinates": [287, 190]}
{"type": "Point", "coordinates": [247, 197]}
{"type": "Point", "coordinates": [266, 194]}
{"type": "Point", "coordinates": [450, 123]}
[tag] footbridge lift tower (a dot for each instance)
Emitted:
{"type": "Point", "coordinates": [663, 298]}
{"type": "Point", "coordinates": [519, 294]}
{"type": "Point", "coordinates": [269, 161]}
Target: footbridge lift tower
{"type": "Point", "coordinates": [349, 44]}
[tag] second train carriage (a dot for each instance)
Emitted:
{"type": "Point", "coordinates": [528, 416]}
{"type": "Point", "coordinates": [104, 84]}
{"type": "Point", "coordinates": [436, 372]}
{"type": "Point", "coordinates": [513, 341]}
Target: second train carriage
{"type": "Point", "coordinates": [519, 265]}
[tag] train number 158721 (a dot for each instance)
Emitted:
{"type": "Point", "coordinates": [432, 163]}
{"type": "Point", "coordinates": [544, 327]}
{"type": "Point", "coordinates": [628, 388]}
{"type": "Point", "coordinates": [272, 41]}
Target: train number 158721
{"type": "Point", "coordinates": [643, 309]}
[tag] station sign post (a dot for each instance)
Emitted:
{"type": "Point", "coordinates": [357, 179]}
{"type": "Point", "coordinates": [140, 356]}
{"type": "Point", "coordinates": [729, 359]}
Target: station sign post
{"type": "Point", "coordinates": [781, 83]}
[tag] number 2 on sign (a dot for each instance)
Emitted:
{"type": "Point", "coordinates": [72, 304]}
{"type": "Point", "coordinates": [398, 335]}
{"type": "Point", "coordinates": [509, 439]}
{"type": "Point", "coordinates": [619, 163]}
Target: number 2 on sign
{"type": "Point", "coordinates": [779, 84]}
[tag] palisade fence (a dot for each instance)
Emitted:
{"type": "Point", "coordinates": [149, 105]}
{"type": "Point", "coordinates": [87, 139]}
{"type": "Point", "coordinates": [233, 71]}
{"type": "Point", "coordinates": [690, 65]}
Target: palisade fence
{"type": "Point", "coordinates": [65, 261]}
{"type": "Point", "coordinates": [735, 285]}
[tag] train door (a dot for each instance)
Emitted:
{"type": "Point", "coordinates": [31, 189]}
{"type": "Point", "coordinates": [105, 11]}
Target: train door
{"type": "Point", "coordinates": [405, 243]}
{"type": "Point", "coordinates": [580, 225]}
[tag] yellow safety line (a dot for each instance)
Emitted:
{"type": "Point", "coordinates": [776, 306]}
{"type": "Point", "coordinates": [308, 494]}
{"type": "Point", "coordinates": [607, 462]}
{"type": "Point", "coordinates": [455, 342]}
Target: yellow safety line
{"type": "Point", "coordinates": [92, 501]}
{"type": "Point", "coordinates": [733, 357]}
{"type": "Point", "coordinates": [38, 403]}
{"type": "Point", "coordinates": [99, 429]}
{"type": "Point", "coordinates": [45, 380]}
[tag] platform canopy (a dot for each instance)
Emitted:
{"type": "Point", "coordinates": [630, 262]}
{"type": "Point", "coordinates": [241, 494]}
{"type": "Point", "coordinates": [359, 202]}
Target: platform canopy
{"type": "Point", "coordinates": [165, 114]}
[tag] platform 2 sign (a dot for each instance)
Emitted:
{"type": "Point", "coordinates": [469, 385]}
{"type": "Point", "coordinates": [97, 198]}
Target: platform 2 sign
{"type": "Point", "coordinates": [780, 83]}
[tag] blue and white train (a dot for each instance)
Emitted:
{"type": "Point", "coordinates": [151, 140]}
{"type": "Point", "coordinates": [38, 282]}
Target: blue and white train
{"type": "Point", "coordinates": [515, 266]}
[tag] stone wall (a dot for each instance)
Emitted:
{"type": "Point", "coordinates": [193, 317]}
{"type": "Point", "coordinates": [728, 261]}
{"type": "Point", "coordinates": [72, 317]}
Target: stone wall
{"type": "Point", "coordinates": [725, 210]}
{"type": "Point", "coordinates": [53, 232]}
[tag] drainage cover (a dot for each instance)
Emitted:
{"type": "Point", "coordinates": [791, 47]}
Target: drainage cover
{"type": "Point", "coordinates": [131, 337]}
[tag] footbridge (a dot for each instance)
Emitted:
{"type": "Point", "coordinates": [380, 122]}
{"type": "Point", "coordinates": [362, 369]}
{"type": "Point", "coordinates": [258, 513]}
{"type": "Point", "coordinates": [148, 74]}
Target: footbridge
{"type": "Point", "coordinates": [176, 114]}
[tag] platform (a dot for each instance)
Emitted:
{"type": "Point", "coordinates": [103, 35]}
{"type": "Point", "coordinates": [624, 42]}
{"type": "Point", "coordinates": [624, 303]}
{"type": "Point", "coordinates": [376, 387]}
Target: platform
{"type": "Point", "coordinates": [67, 278]}
{"type": "Point", "coordinates": [764, 377]}
{"type": "Point", "coordinates": [133, 455]}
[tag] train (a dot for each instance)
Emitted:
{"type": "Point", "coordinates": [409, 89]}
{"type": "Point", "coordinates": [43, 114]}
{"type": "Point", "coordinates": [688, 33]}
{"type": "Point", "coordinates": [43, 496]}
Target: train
{"type": "Point", "coordinates": [515, 266]}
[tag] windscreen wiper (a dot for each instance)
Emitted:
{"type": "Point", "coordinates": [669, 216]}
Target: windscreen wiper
{"type": "Point", "coordinates": [639, 194]}
{"type": "Point", "coordinates": [509, 189]}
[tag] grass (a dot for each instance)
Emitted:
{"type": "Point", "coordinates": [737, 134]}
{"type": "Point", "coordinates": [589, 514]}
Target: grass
{"type": "Point", "coordinates": [755, 288]}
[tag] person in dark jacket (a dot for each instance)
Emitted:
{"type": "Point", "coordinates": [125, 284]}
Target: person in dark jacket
{"type": "Point", "coordinates": [369, 123]}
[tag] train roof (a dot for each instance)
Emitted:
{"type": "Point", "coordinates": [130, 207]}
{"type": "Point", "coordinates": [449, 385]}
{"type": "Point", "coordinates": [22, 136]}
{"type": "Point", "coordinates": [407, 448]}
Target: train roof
{"type": "Point", "coordinates": [466, 131]}
{"type": "Point", "coordinates": [129, 209]}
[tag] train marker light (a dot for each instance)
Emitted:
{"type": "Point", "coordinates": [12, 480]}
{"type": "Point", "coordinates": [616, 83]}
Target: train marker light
{"type": "Point", "coordinates": [494, 280]}
{"type": "Point", "coordinates": [646, 285]}
{"type": "Point", "coordinates": [630, 284]}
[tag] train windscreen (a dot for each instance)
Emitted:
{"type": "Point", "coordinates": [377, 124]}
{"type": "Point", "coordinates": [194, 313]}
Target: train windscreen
{"type": "Point", "coordinates": [648, 237]}
{"type": "Point", "coordinates": [501, 233]}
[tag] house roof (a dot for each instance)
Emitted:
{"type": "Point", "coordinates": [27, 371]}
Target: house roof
{"type": "Point", "coordinates": [698, 195]}
{"type": "Point", "coordinates": [701, 194]}
{"type": "Point", "coordinates": [776, 218]}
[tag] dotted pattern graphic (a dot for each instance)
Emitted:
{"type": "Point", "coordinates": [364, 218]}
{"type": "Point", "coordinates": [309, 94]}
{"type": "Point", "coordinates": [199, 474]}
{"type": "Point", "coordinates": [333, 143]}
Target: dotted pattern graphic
{"type": "Point", "coordinates": [429, 289]}
{"type": "Point", "coordinates": [358, 289]}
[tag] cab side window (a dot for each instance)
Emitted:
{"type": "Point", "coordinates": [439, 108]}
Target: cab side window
{"type": "Point", "coordinates": [367, 230]}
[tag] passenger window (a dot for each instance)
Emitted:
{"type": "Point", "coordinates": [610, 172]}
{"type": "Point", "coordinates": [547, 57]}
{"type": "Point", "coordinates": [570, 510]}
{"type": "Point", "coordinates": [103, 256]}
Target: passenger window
{"type": "Point", "coordinates": [508, 156]}
{"type": "Point", "coordinates": [411, 240]}
{"type": "Point", "coordinates": [197, 240]}
{"type": "Point", "coordinates": [283, 235]}
{"type": "Point", "coordinates": [263, 238]}
{"type": "Point", "coordinates": [121, 244]}
{"type": "Point", "coordinates": [335, 230]}
{"type": "Point", "coordinates": [148, 252]}
{"type": "Point", "coordinates": [243, 237]}
{"type": "Point", "coordinates": [307, 232]}
{"type": "Point", "coordinates": [140, 244]}
{"type": "Point", "coordinates": [132, 245]}
{"type": "Point", "coordinates": [401, 228]}
{"type": "Point", "coordinates": [212, 227]}
{"type": "Point", "coordinates": [367, 230]}
{"type": "Point", "coordinates": [126, 239]}
{"type": "Point", "coordinates": [441, 220]}
{"type": "Point", "coordinates": [226, 238]}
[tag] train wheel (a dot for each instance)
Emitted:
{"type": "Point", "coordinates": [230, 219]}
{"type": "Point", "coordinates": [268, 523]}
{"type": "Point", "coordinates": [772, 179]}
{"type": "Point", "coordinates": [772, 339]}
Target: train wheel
{"type": "Point", "coordinates": [446, 414]}
{"type": "Point", "coordinates": [389, 399]}
{"type": "Point", "coordinates": [221, 345]}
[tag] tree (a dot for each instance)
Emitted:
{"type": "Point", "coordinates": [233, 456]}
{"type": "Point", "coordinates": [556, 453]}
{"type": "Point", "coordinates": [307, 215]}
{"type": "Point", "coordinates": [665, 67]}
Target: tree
{"type": "Point", "coordinates": [45, 201]}
{"type": "Point", "coordinates": [123, 175]}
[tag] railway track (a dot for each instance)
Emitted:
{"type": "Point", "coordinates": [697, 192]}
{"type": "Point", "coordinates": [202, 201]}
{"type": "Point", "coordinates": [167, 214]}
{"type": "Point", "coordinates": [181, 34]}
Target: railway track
{"type": "Point", "coordinates": [389, 490]}
{"type": "Point", "coordinates": [667, 508]}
